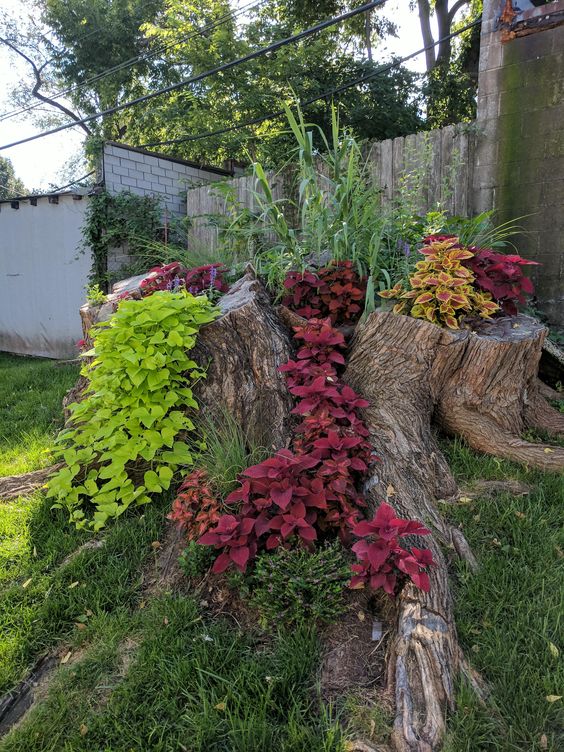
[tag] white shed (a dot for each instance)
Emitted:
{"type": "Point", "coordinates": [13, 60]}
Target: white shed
{"type": "Point", "coordinates": [43, 274]}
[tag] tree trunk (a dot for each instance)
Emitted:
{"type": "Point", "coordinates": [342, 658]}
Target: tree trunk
{"type": "Point", "coordinates": [479, 385]}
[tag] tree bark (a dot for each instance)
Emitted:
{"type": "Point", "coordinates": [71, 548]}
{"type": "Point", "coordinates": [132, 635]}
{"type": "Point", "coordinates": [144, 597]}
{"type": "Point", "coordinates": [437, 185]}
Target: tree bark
{"type": "Point", "coordinates": [243, 350]}
{"type": "Point", "coordinates": [479, 385]}
{"type": "Point", "coordinates": [13, 486]}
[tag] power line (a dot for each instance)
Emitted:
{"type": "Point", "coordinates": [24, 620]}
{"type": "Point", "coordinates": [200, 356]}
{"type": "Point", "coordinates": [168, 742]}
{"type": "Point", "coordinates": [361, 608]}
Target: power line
{"type": "Point", "coordinates": [304, 103]}
{"type": "Point", "coordinates": [214, 71]}
{"type": "Point", "coordinates": [139, 58]}
{"type": "Point", "coordinates": [54, 190]}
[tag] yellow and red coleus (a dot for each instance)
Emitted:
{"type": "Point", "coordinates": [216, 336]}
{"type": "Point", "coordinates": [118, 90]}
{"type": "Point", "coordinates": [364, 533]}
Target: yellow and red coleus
{"type": "Point", "coordinates": [442, 288]}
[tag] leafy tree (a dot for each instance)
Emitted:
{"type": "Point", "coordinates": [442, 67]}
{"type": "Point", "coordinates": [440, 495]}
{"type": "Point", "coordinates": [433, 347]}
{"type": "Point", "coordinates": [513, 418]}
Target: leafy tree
{"type": "Point", "coordinates": [452, 64]}
{"type": "Point", "coordinates": [10, 185]}
{"type": "Point", "coordinates": [385, 106]}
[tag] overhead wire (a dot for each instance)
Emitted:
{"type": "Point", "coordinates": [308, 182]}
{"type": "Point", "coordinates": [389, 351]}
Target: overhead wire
{"type": "Point", "coordinates": [201, 76]}
{"type": "Point", "coordinates": [304, 103]}
{"type": "Point", "coordinates": [139, 58]}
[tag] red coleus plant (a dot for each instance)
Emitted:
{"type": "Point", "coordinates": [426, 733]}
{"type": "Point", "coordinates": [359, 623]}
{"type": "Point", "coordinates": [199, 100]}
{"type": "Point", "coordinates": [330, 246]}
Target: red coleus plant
{"type": "Point", "coordinates": [165, 277]}
{"type": "Point", "coordinates": [196, 508]}
{"type": "Point", "coordinates": [383, 561]}
{"type": "Point", "coordinates": [202, 278]}
{"type": "Point", "coordinates": [502, 276]}
{"type": "Point", "coordinates": [335, 291]}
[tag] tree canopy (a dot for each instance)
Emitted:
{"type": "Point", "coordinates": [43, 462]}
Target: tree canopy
{"type": "Point", "coordinates": [10, 185]}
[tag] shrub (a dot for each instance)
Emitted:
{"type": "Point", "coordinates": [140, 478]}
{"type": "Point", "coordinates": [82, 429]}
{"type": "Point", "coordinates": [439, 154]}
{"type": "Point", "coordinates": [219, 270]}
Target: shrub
{"type": "Point", "coordinates": [127, 436]}
{"type": "Point", "coordinates": [206, 279]}
{"type": "Point", "coordinates": [442, 288]}
{"type": "Point", "coordinates": [336, 292]}
{"type": "Point", "coordinates": [295, 585]}
{"type": "Point", "coordinates": [383, 562]}
{"type": "Point", "coordinates": [195, 560]}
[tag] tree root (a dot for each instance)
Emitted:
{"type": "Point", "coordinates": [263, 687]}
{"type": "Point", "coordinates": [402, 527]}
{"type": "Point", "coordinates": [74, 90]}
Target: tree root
{"type": "Point", "coordinates": [13, 486]}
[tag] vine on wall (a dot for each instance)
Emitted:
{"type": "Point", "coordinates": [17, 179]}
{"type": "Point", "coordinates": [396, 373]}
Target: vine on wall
{"type": "Point", "coordinates": [112, 221]}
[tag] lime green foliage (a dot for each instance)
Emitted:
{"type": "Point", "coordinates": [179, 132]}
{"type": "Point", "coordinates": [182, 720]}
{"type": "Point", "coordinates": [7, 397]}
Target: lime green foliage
{"type": "Point", "coordinates": [95, 295]}
{"type": "Point", "coordinates": [31, 392]}
{"type": "Point", "coordinates": [509, 612]}
{"type": "Point", "coordinates": [126, 430]}
{"type": "Point", "coordinates": [292, 586]}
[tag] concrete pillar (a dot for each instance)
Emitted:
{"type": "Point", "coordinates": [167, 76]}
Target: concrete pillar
{"type": "Point", "coordinates": [520, 144]}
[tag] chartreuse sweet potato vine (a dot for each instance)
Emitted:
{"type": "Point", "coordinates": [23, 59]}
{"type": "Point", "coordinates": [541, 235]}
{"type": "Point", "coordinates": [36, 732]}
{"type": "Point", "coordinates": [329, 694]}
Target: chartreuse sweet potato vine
{"type": "Point", "coordinates": [124, 442]}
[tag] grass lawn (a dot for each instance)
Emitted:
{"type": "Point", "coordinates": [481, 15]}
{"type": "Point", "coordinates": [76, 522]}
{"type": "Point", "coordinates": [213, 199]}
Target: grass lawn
{"type": "Point", "coordinates": [159, 674]}
{"type": "Point", "coordinates": [31, 390]}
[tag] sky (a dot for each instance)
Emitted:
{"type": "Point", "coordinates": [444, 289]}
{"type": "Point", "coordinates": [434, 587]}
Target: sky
{"type": "Point", "coordinates": [39, 163]}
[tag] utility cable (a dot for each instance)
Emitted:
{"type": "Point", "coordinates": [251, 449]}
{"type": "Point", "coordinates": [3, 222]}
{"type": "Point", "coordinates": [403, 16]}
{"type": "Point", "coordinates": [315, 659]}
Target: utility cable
{"type": "Point", "coordinates": [304, 103]}
{"type": "Point", "coordinates": [201, 76]}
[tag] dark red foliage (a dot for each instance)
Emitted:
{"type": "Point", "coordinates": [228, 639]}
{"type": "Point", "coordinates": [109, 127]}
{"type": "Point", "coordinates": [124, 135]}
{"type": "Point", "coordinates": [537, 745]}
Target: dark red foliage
{"type": "Point", "coordinates": [174, 276]}
{"type": "Point", "coordinates": [311, 489]}
{"type": "Point", "coordinates": [383, 561]}
{"type": "Point", "coordinates": [336, 291]}
{"type": "Point", "coordinates": [196, 508]}
{"type": "Point", "coordinates": [502, 276]}
{"type": "Point", "coordinates": [161, 278]}
{"type": "Point", "coordinates": [202, 278]}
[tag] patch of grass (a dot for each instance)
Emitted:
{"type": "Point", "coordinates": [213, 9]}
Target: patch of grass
{"type": "Point", "coordinates": [192, 686]}
{"type": "Point", "coordinates": [31, 391]}
{"type": "Point", "coordinates": [510, 613]}
{"type": "Point", "coordinates": [40, 600]}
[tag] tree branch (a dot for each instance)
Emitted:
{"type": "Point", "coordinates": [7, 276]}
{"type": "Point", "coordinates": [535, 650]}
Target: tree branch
{"type": "Point", "coordinates": [39, 83]}
{"type": "Point", "coordinates": [426, 33]}
{"type": "Point", "coordinates": [454, 10]}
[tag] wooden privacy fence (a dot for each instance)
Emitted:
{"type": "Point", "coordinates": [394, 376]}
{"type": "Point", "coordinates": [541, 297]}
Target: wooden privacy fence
{"type": "Point", "coordinates": [433, 168]}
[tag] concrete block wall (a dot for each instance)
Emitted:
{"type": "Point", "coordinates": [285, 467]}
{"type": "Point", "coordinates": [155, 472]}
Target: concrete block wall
{"type": "Point", "coordinates": [144, 173]}
{"type": "Point", "coordinates": [519, 166]}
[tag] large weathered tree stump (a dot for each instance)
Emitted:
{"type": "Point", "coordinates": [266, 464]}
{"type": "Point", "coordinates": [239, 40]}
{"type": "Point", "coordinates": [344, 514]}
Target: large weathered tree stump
{"type": "Point", "coordinates": [242, 351]}
{"type": "Point", "coordinates": [482, 386]}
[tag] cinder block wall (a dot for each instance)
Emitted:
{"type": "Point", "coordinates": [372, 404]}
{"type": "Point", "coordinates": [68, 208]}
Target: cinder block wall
{"type": "Point", "coordinates": [138, 171]}
{"type": "Point", "coordinates": [520, 145]}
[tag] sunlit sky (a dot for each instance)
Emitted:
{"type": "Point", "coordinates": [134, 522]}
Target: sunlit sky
{"type": "Point", "coordinates": [39, 162]}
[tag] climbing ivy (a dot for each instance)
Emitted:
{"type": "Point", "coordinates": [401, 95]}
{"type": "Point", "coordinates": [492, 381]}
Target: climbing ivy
{"type": "Point", "coordinates": [122, 219]}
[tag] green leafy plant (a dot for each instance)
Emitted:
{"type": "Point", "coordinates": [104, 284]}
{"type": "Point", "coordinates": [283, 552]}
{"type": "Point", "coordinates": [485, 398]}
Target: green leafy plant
{"type": "Point", "coordinates": [195, 560]}
{"type": "Point", "coordinates": [128, 436]}
{"type": "Point", "coordinates": [118, 220]}
{"type": "Point", "coordinates": [295, 585]}
{"type": "Point", "coordinates": [94, 295]}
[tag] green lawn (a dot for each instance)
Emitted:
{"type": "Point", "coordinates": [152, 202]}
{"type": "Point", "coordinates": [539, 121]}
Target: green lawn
{"type": "Point", "coordinates": [160, 674]}
{"type": "Point", "coordinates": [31, 390]}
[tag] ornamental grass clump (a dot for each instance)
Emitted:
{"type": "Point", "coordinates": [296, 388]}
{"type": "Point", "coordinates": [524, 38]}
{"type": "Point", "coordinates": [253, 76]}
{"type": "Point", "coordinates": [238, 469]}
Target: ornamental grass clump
{"type": "Point", "coordinates": [128, 436]}
{"type": "Point", "coordinates": [442, 288]}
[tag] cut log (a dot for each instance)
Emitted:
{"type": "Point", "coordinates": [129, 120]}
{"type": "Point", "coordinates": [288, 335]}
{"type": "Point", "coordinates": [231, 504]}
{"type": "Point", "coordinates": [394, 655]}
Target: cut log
{"type": "Point", "coordinates": [482, 386]}
{"type": "Point", "coordinates": [13, 486]}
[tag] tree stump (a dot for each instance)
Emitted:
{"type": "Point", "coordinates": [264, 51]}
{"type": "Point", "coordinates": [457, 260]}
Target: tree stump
{"type": "Point", "coordinates": [482, 386]}
{"type": "Point", "coordinates": [242, 351]}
